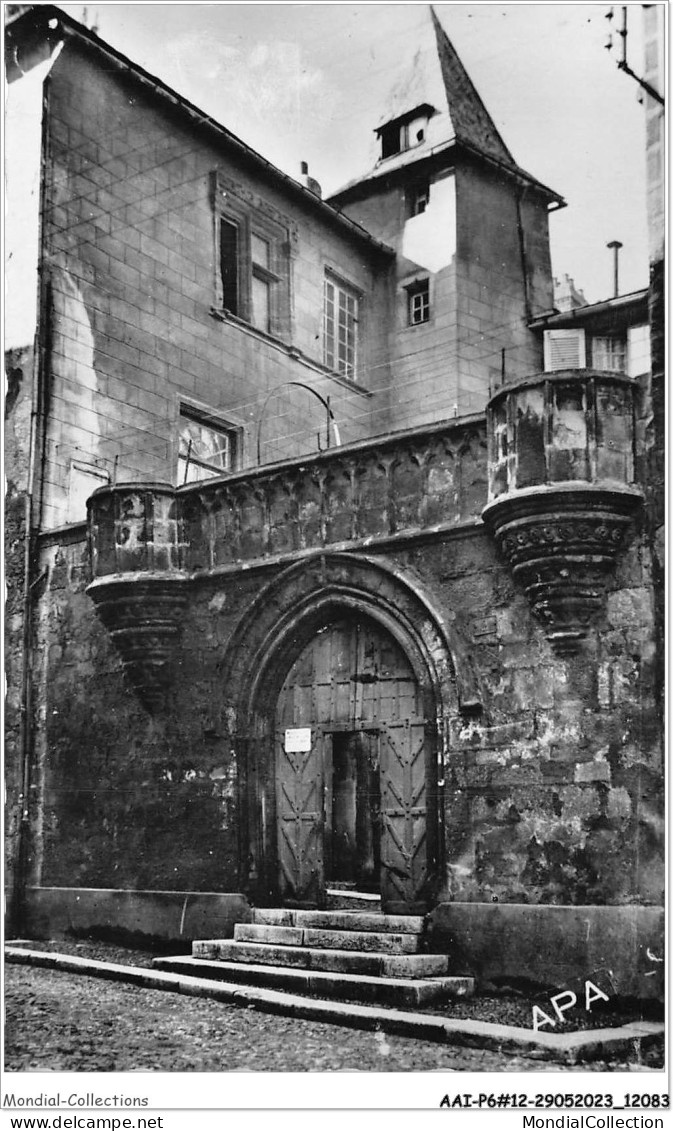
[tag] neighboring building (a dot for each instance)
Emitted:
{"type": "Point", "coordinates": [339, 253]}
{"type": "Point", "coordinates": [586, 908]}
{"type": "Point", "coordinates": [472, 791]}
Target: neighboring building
{"type": "Point", "coordinates": [566, 294]}
{"type": "Point", "coordinates": [613, 335]}
{"type": "Point", "coordinates": [289, 649]}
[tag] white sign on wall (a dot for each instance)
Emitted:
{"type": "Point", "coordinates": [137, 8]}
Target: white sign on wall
{"type": "Point", "coordinates": [297, 740]}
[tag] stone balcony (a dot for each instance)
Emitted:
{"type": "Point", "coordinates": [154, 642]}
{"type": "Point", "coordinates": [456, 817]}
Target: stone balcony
{"type": "Point", "coordinates": [561, 489]}
{"type": "Point", "coordinates": [147, 540]}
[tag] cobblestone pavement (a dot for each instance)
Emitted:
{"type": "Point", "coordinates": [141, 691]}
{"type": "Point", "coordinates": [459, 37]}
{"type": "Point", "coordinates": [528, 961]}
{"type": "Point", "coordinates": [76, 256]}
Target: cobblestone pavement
{"type": "Point", "coordinates": [64, 1022]}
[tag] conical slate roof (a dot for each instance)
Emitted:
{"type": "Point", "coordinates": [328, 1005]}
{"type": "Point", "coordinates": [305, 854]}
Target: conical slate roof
{"type": "Point", "coordinates": [435, 77]}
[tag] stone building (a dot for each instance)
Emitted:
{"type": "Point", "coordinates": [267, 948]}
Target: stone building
{"type": "Point", "coordinates": [365, 595]}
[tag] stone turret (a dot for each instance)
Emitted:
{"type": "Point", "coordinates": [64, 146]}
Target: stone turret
{"type": "Point", "coordinates": [562, 490]}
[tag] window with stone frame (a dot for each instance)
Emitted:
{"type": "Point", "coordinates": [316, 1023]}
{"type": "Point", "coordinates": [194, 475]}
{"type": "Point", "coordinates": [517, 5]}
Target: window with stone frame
{"type": "Point", "coordinates": [341, 318]}
{"type": "Point", "coordinates": [253, 242]}
{"type": "Point", "coordinates": [207, 446]}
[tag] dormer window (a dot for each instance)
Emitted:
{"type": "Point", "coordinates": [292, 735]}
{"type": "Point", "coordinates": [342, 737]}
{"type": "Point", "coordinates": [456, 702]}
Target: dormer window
{"type": "Point", "coordinates": [405, 132]}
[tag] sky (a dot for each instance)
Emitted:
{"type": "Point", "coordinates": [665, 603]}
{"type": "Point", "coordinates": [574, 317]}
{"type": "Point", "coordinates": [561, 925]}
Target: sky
{"type": "Point", "coordinates": [308, 82]}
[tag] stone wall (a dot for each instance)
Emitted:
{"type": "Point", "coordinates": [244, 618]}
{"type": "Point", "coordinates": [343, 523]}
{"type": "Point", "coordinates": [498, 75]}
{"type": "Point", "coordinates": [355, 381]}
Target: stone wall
{"type": "Point", "coordinates": [503, 279]}
{"type": "Point", "coordinates": [18, 409]}
{"type": "Point", "coordinates": [126, 800]}
{"type": "Point", "coordinates": [552, 789]}
{"type": "Point", "coordinates": [130, 240]}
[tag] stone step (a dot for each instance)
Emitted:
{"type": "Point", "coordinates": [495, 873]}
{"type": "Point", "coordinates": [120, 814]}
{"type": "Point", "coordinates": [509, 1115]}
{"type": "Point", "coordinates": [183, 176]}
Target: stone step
{"type": "Point", "coordinates": [341, 961]}
{"type": "Point", "coordinates": [313, 937]}
{"type": "Point", "coordinates": [352, 900]}
{"type": "Point", "coordinates": [325, 984]}
{"type": "Point", "coordinates": [339, 920]}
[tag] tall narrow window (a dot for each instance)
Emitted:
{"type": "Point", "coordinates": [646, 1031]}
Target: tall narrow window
{"type": "Point", "coordinates": [229, 255]}
{"type": "Point", "coordinates": [391, 140]}
{"type": "Point", "coordinates": [262, 282]}
{"type": "Point", "coordinates": [340, 326]}
{"type": "Point", "coordinates": [638, 352]}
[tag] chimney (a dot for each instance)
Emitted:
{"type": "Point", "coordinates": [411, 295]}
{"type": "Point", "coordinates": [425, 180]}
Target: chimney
{"type": "Point", "coordinates": [615, 245]}
{"type": "Point", "coordinates": [309, 182]}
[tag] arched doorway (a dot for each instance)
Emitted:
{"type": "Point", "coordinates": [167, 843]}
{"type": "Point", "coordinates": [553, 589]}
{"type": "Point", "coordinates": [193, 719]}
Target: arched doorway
{"type": "Point", "coordinates": [355, 769]}
{"type": "Point", "coordinates": [288, 613]}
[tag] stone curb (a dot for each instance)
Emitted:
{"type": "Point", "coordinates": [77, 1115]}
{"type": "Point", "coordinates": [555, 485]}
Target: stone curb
{"type": "Point", "coordinates": [568, 1048]}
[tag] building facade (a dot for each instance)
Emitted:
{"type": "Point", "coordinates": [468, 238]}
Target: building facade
{"type": "Point", "coordinates": [363, 592]}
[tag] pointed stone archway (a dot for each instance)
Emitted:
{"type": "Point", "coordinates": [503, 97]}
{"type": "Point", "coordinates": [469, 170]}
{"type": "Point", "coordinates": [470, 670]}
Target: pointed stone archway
{"type": "Point", "coordinates": [304, 601]}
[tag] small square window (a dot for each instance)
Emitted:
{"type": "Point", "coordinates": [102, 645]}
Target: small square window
{"type": "Point", "coordinates": [609, 354]}
{"type": "Point", "coordinates": [419, 302]}
{"type": "Point", "coordinates": [206, 448]}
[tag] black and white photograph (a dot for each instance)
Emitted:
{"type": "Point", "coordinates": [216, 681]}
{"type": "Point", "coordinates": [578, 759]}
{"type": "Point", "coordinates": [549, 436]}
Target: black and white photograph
{"type": "Point", "coordinates": [335, 499]}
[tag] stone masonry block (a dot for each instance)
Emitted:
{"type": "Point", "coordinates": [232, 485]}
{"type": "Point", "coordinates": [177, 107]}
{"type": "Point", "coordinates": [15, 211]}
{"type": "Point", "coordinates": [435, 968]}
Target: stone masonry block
{"type": "Point", "coordinates": [592, 771]}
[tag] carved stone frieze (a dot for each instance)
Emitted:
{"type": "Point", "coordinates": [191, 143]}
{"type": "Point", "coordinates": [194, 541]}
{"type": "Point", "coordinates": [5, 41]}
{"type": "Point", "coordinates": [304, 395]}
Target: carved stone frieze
{"type": "Point", "coordinates": [147, 540]}
{"type": "Point", "coordinates": [224, 186]}
{"type": "Point", "coordinates": [376, 490]}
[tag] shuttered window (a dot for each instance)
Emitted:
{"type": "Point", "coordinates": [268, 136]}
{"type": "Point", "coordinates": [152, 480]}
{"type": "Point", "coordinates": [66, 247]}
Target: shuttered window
{"type": "Point", "coordinates": [564, 349]}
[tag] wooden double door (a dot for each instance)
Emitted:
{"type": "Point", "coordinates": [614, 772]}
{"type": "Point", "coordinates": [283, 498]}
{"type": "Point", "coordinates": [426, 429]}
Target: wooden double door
{"type": "Point", "coordinates": [354, 769]}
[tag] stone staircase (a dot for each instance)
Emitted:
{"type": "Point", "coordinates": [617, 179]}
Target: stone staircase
{"type": "Point", "coordinates": [361, 956]}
